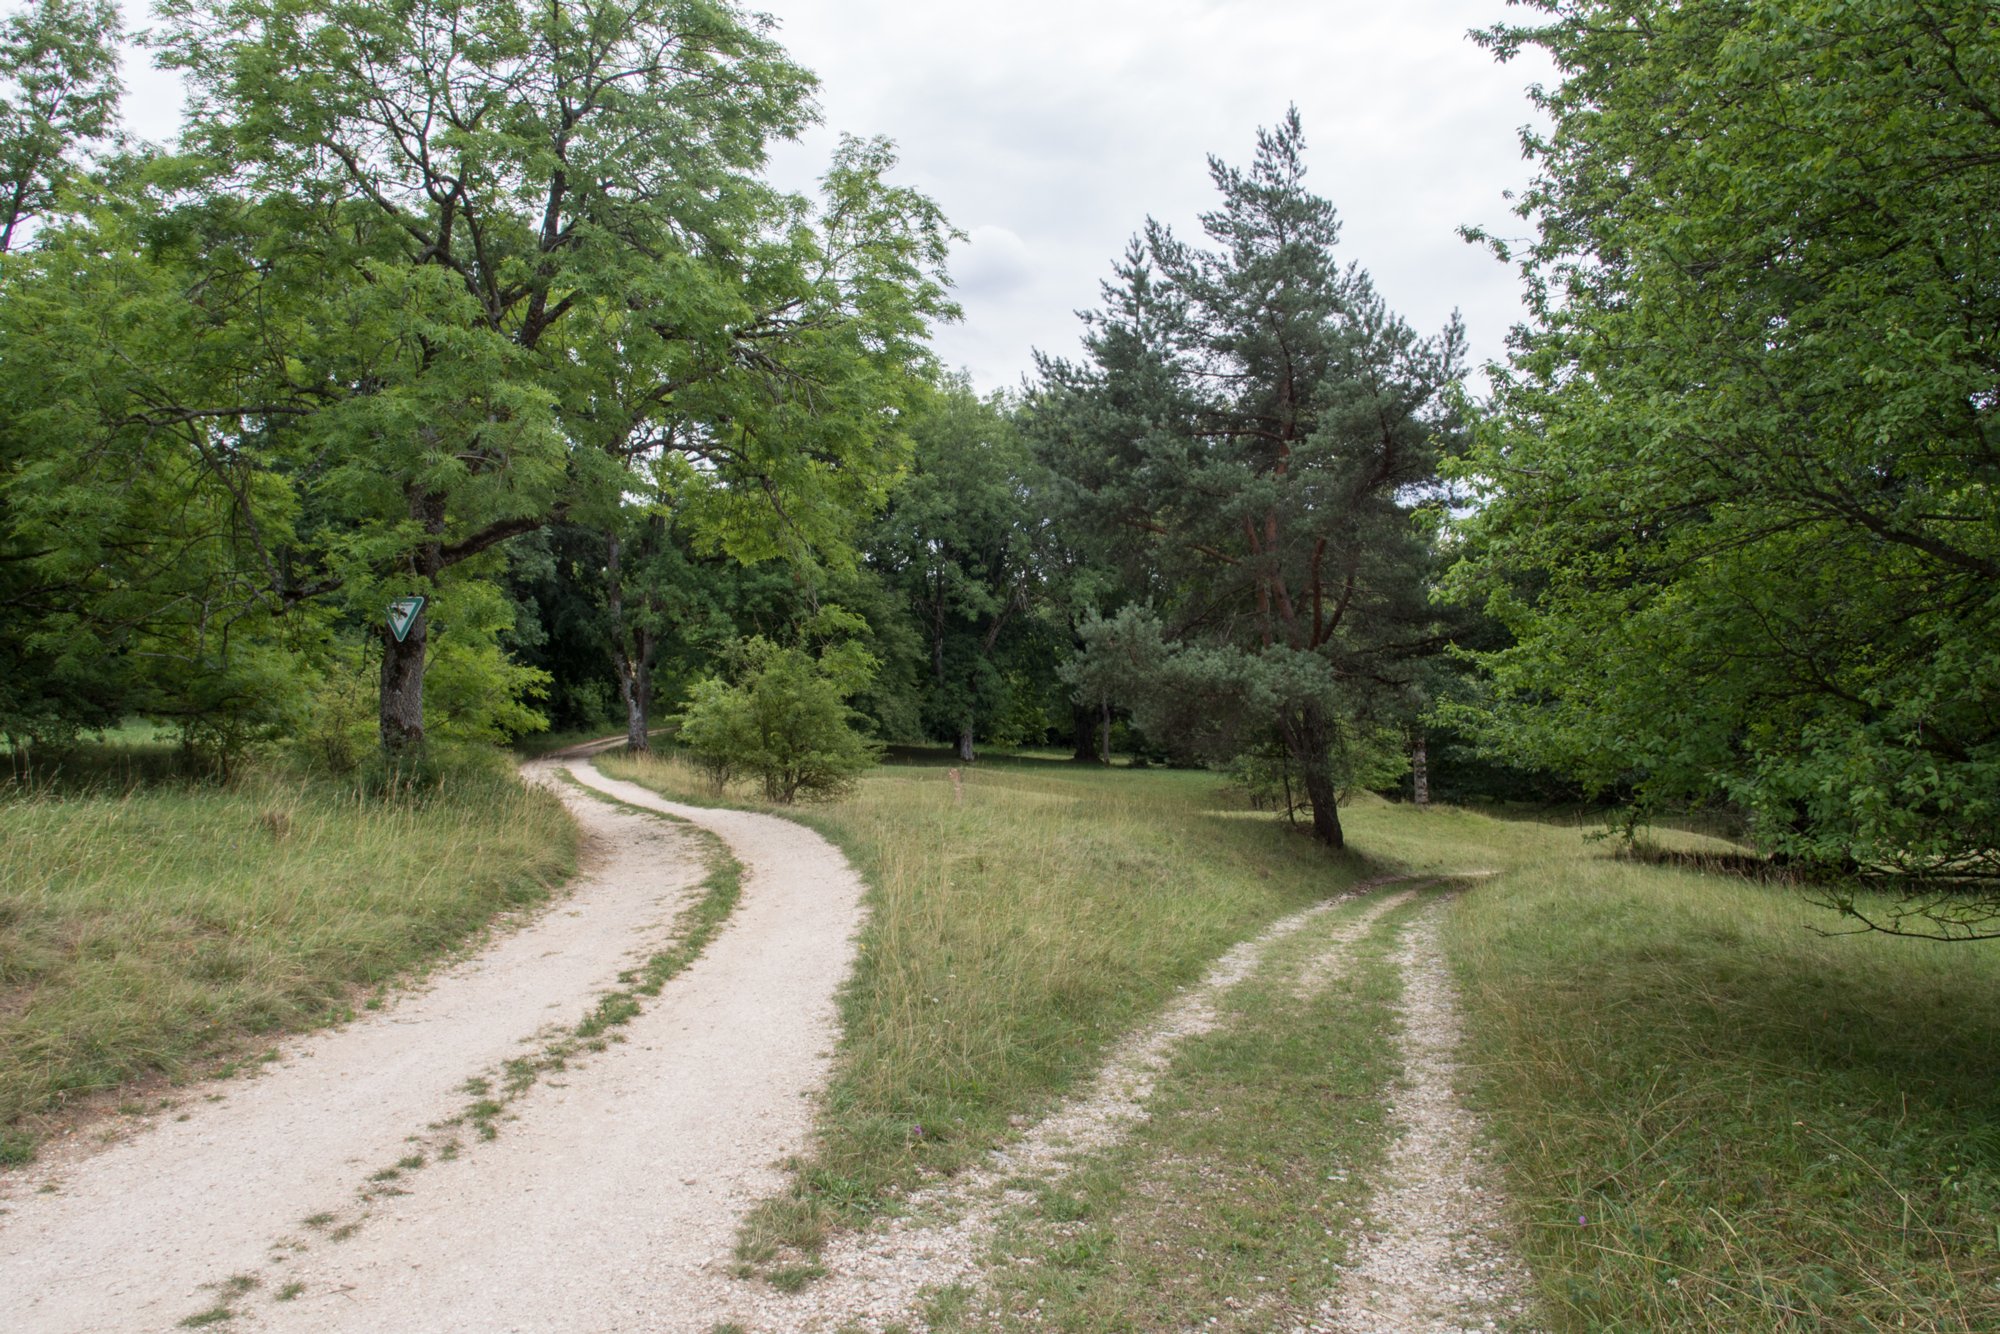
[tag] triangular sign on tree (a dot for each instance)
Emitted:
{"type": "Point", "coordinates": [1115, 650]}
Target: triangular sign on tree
{"type": "Point", "coordinates": [403, 615]}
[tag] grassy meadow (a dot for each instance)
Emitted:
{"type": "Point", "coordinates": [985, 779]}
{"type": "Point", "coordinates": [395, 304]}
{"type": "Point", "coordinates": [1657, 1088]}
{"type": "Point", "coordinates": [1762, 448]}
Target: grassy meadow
{"type": "Point", "coordinates": [1710, 1114]}
{"type": "Point", "coordinates": [153, 933]}
{"type": "Point", "coordinates": [1716, 1117]}
{"type": "Point", "coordinates": [1227, 1207]}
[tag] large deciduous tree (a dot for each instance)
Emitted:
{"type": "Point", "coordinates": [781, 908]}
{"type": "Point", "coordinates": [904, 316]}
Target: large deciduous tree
{"type": "Point", "coordinates": [462, 199]}
{"type": "Point", "coordinates": [756, 410]}
{"type": "Point", "coordinates": [58, 95]}
{"type": "Point", "coordinates": [1742, 474]}
{"type": "Point", "coordinates": [1258, 430]}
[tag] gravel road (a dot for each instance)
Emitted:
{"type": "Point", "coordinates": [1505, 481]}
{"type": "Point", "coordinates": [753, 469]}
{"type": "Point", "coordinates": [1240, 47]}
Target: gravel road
{"type": "Point", "coordinates": [608, 1203]}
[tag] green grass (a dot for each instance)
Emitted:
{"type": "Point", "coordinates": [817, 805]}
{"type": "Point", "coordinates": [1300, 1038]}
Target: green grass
{"type": "Point", "coordinates": [1710, 1116]}
{"type": "Point", "coordinates": [1227, 1207]}
{"type": "Point", "coordinates": [1009, 940]}
{"type": "Point", "coordinates": [1714, 1116]}
{"type": "Point", "coordinates": [159, 932]}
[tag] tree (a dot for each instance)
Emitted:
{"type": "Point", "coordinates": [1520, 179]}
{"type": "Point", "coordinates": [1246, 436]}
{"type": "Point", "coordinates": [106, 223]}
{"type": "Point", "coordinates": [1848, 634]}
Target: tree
{"type": "Point", "coordinates": [128, 582]}
{"type": "Point", "coordinates": [786, 721]}
{"type": "Point", "coordinates": [761, 416]}
{"type": "Point", "coordinates": [1739, 502]}
{"type": "Point", "coordinates": [958, 541]}
{"type": "Point", "coordinates": [58, 95]}
{"type": "Point", "coordinates": [1260, 434]}
{"type": "Point", "coordinates": [454, 202]}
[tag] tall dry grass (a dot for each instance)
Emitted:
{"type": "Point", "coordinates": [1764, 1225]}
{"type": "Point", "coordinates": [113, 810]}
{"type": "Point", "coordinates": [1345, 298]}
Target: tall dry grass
{"type": "Point", "coordinates": [153, 933]}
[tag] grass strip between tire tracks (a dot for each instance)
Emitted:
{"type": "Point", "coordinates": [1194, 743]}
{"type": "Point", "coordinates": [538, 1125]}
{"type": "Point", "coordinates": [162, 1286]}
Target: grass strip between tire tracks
{"type": "Point", "coordinates": [1230, 1205]}
{"type": "Point", "coordinates": [695, 926]}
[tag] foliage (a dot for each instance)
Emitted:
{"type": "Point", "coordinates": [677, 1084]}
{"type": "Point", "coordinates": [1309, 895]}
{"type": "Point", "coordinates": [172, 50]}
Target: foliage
{"type": "Point", "coordinates": [959, 543]}
{"type": "Point", "coordinates": [127, 582]}
{"type": "Point", "coordinates": [1258, 431]}
{"type": "Point", "coordinates": [1374, 761]}
{"type": "Point", "coordinates": [1738, 496]}
{"type": "Point", "coordinates": [436, 220]}
{"type": "Point", "coordinates": [785, 721]}
{"type": "Point", "coordinates": [421, 278]}
{"type": "Point", "coordinates": [776, 433]}
{"type": "Point", "coordinates": [58, 96]}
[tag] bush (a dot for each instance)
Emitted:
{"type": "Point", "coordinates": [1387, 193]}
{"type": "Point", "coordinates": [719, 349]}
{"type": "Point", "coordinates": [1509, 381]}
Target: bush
{"type": "Point", "coordinates": [786, 721]}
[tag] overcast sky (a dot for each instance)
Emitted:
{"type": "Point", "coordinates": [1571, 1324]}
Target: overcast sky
{"type": "Point", "coordinates": [1050, 129]}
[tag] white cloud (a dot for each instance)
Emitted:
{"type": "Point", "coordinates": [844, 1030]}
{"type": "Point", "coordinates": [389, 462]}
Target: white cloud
{"type": "Point", "coordinates": [991, 262]}
{"type": "Point", "coordinates": [1065, 123]}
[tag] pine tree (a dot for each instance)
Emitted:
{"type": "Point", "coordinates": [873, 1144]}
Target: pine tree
{"type": "Point", "coordinates": [1260, 434]}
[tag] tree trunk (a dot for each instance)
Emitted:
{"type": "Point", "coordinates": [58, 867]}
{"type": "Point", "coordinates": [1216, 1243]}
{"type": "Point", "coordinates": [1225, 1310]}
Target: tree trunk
{"type": "Point", "coordinates": [965, 754]}
{"type": "Point", "coordinates": [632, 646]}
{"type": "Point", "coordinates": [1420, 768]}
{"type": "Point", "coordinates": [1310, 739]}
{"type": "Point", "coordinates": [1083, 734]}
{"type": "Point", "coordinates": [1104, 742]}
{"type": "Point", "coordinates": [402, 720]}
{"type": "Point", "coordinates": [635, 683]}
{"type": "Point", "coordinates": [402, 711]}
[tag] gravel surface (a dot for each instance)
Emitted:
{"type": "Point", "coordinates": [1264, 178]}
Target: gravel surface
{"type": "Point", "coordinates": [875, 1278]}
{"type": "Point", "coordinates": [1329, 964]}
{"type": "Point", "coordinates": [1433, 1259]}
{"type": "Point", "coordinates": [609, 1203]}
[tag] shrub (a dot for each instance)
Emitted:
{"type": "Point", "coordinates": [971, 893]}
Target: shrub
{"type": "Point", "coordinates": [786, 721]}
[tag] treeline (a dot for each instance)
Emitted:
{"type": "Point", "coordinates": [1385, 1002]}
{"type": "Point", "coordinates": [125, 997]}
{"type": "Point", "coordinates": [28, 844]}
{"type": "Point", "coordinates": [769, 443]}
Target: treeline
{"type": "Point", "coordinates": [418, 281]}
{"type": "Point", "coordinates": [492, 305]}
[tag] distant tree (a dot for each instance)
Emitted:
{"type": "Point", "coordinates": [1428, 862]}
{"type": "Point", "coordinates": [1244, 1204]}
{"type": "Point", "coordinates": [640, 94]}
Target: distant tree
{"type": "Point", "coordinates": [784, 720]}
{"type": "Point", "coordinates": [1262, 436]}
{"type": "Point", "coordinates": [958, 541]}
{"type": "Point", "coordinates": [752, 406]}
{"type": "Point", "coordinates": [1741, 479]}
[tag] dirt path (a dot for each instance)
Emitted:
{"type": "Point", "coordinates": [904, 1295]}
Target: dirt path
{"type": "Point", "coordinates": [875, 1279]}
{"type": "Point", "coordinates": [1434, 1261]}
{"type": "Point", "coordinates": [609, 1203]}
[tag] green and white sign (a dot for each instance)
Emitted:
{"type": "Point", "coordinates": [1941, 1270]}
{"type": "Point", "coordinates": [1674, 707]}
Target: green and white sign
{"type": "Point", "coordinates": [402, 615]}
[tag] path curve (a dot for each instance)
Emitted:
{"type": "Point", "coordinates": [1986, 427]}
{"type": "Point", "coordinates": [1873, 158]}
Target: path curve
{"type": "Point", "coordinates": [610, 1203]}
